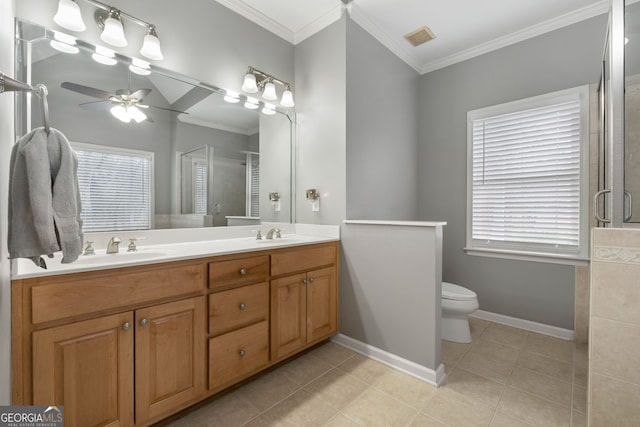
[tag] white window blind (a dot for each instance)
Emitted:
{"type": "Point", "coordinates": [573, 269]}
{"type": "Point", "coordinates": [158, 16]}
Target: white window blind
{"type": "Point", "coordinates": [255, 184]}
{"type": "Point", "coordinates": [526, 172]}
{"type": "Point", "coordinates": [115, 188]}
{"type": "Point", "coordinates": [199, 183]}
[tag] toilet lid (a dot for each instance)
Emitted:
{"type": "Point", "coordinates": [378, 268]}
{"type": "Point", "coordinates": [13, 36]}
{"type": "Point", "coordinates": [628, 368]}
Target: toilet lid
{"type": "Point", "coordinates": [456, 292]}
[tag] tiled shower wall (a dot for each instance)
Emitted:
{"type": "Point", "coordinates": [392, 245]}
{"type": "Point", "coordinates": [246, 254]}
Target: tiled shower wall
{"type": "Point", "coordinates": [614, 342]}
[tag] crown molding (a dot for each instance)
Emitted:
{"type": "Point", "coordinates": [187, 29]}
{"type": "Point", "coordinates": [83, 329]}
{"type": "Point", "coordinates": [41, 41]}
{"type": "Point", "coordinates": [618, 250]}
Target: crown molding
{"type": "Point", "coordinates": [209, 124]}
{"type": "Point", "coordinates": [259, 18]}
{"type": "Point", "coordinates": [319, 24]}
{"type": "Point", "coordinates": [518, 36]}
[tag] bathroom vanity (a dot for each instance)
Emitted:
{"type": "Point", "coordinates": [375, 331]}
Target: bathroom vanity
{"type": "Point", "coordinates": [131, 345]}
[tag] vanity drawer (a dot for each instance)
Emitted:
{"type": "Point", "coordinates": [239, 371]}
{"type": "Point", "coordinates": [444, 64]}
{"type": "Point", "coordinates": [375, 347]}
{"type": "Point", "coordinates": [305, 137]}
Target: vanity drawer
{"type": "Point", "coordinates": [226, 274]}
{"type": "Point", "coordinates": [59, 297]}
{"type": "Point", "coordinates": [303, 259]}
{"type": "Point", "coordinates": [238, 353]}
{"type": "Point", "coordinates": [237, 307]}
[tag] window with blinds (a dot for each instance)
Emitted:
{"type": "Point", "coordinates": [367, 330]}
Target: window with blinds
{"type": "Point", "coordinates": [199, 185]}
{"type": "Point", "coordinates": [527, 177]}
{"type": "Point", "coordinates": [115, 188]}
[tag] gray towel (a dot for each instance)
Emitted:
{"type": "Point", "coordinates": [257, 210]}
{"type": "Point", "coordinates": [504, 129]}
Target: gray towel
{"type": "Point", "coordinates": [44, 198]}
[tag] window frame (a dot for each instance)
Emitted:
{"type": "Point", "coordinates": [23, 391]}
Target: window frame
{"type": "Point", "coordinates": [84, 146]}
{"type": "Point", "coordinates": [524, 251]}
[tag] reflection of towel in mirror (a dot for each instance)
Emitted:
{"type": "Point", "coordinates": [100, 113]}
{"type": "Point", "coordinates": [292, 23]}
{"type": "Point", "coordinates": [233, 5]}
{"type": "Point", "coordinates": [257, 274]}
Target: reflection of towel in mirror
{"type": "Point", "coordinates": [44, 198]}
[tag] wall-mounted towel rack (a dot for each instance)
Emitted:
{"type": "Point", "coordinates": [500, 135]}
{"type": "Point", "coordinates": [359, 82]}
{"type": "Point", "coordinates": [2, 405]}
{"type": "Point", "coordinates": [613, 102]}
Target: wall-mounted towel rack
{"type": "Point", "coordinates": [7, 84]}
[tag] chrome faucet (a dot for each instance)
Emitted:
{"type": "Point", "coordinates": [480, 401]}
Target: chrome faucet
{"type": "Point", "coordinates": [273, 231]}
{"type": "Point", "coordinates": [112, 246]}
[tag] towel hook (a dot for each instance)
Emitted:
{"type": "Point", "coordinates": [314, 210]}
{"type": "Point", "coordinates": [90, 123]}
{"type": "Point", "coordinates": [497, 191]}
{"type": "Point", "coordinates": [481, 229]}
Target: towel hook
{"type": "Point", "coordinates": [42, 94]}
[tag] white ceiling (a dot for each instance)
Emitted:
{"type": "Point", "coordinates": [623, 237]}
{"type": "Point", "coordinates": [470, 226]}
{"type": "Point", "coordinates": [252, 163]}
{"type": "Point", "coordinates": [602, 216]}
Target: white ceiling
{"type": "Point", "coordinates": [463, 28]}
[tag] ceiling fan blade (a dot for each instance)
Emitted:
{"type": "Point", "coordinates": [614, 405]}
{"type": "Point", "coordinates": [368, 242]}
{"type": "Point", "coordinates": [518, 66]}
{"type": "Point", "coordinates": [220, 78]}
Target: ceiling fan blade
{"type": "Point", "coordinates": [86, 90]}
{"type": "Point", "coordinates": [96, 105]}
{"type": "Point", "coordinates": [140, 94]}
{"type": "Point", "coordinates": [166, 109]}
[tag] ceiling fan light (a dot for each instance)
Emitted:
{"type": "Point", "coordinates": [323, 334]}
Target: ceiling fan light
{"type": "Point", "coordinates": [151, 45]}
{"type": "Point", "coordinates": [136, 114]}
{"type": "Point", "coordinates": [270, 92]}
{"type": "Point", "coordinates": [120, 113]}
{"type": "Point", "coordinates": [113, 32]}
{"type": "Point", "coordinates": [69, 16]}
{"type": "Point", "coordinates": [250, 85]}
{"type": "Point", "coordinates": [287, 98]}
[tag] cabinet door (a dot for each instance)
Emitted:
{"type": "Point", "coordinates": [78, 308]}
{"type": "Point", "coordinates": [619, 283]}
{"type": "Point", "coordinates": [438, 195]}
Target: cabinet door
{"type": "Point", "coordinates": [87, 367]}
{"type": "Point", "coordinates": [170, 356]}
{"type": "Point", "coordinates": [288, 314]}
{"type": "Point", "coordinates": [322, 317]}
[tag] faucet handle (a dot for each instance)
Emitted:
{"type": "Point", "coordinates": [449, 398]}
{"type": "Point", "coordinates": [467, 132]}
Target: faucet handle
{"type": "Point", "coordinates": [278, 233]}
{"type": "Point", "coordinates": [89, 250]}
{"type": "Point", "coordinates": [258, 234]}
{"type": "Point", "coordinates": [132, 245]}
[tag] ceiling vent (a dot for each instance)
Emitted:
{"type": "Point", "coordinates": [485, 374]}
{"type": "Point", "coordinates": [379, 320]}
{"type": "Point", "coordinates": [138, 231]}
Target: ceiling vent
{"type": "Point", "coordinates": [420, 36]}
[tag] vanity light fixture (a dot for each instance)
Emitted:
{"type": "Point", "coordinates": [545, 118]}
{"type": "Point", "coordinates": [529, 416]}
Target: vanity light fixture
{"type": "Point", "coordinates": [269, 109]}
{"type": "Point", "coordinates": [109, 19]}
{"type": "Point", "coordinates": [69, 16]}
{"type": "Point", "coordinates": [104, 56]}
{"type": "Point", "coordinates": [113, 31]}
{"type": "Point", "coordinates": [232, 97]}
{"type": "Point", "coordinates": [140, 67]}
{"type": "Point", "coordinates": [252, 103]}
{"type": "Point", "coordinates": [256, 81]}
{"type": "Point", "coordinates": [64, 43]}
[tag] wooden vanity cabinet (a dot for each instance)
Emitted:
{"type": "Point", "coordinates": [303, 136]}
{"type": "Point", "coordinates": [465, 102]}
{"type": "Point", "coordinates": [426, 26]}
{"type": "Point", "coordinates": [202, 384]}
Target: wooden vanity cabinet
{"type": "Point", "coordinates": [113, 367]}
{"type": "Point", "coordinates": [304, 305]}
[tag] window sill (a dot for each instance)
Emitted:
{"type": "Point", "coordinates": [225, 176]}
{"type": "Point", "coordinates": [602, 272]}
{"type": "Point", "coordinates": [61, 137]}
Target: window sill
{"type": "Point", "coordinates": [528, 256]}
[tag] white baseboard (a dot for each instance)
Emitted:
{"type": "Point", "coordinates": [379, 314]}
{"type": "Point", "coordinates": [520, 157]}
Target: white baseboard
{"type": "Point", "coordinates": [528, 325]}
{"type": "Point", "coordinates": [435, 378]}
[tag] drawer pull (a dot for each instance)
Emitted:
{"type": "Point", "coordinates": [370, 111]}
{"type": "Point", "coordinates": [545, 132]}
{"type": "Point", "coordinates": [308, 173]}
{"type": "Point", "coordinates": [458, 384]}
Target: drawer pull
{"type": "Point", "coordinates": [144, 322]}
{"type": "Point", "coordinates": [243, 271]}
{"type": "Point", "coordinates": [241, 353]}
{"type": "Point", "coordinates": [126, 326]}
{"type": "Point", "coordinates": [242, 306]}
{"type": "Point", "coordinates": [311, 279]}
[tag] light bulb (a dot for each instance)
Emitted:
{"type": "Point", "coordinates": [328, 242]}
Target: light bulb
{"type": "Point", "coordinates": [232, 97]}
{"type": "Point", "coordinates": [113, 32]}
{"type": "Point", "coordinates": [151, 45]}
{"type": "Point", "coordinates": [252, 103]}
{"type": "Point", "coordinates": [249, 84]}
{"type": "Point", "coordinates": [270, 92]}
{"type": "Point", "coordinates": [269, 109]}
{"type": "Point", "coordinates": [64, 43]}
{"type": "Point", "coordinates": [69, 16]}
{"type": "Point", "coordinates": [287, 98]}
{"type": "Point", "coordinates": [120, 113]}
{"type": "Point", "coordinates": [136, 114]}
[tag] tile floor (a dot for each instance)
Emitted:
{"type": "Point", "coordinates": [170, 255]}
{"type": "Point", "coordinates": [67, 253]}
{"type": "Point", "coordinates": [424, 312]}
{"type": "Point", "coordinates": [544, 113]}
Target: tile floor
{"type": "Point", "coordinates": [506, 378]}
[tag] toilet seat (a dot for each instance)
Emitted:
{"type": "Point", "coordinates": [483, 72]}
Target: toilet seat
{"type": "Point", "coordinates": [456, 292]}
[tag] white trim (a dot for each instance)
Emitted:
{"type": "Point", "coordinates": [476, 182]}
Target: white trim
{"type": "Point", "coordinates": [318, 25]}
{"type": "Point", "coordinates": [213, 125]}
{"type": "Point", "coordinates": [436, 378]}
{"type": "Point", "coordinates": [398, 223]}
{"type": "Point", "coordinates": [528, 325]}
{"type": "Point", "coordinates": [527, 256]}
{"type": "Point", "coordinates": [259, 18]}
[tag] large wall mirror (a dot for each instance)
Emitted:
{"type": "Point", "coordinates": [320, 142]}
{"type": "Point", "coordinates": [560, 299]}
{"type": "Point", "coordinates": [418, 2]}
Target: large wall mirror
{"type": "Point", "coordinates": [157, 149]}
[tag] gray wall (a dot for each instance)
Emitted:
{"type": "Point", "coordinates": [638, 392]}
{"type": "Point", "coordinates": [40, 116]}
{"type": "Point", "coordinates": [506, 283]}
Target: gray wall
{"type": "Point", "coordinates": [382, 131]}
{"type": "Point", "coordinates": [561, 59]}
{"type": "Point", "coordinates": [320, 65]}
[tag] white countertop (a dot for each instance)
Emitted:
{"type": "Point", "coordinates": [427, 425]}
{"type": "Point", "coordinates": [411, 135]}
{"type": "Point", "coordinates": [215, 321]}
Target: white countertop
{"type": "Point", "coordinates": [166, 252]}
{"type": "Point", "coordinates": [396, 223]}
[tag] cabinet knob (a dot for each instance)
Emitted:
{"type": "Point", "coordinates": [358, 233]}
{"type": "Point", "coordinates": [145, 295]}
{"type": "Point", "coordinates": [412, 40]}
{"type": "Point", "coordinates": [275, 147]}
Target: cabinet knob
{"type": "Point", "coordinates": [241, 353]}
{"type": "Point", "coordinates": [243, 271]}
{"type": "Point", "coordinates": [311, 279]}
{"type": "Point", "coordinates": [242, 306]}
{"type": "Point", "coordinates": [304, 281]}
{"type": "Point", "coordinates": [144, 322]}
{"type": "Point", "coordinates": [126, 326]}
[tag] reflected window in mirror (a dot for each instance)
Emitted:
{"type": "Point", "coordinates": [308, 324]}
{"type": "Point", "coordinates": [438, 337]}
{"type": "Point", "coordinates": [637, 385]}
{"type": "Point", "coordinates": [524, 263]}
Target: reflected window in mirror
{"type": "Point", "coordinates": [116, 185]}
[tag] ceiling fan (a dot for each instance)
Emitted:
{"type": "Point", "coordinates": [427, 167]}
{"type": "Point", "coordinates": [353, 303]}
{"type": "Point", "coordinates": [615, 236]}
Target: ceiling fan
{"type": "Point", "coordinates": [124, 104]}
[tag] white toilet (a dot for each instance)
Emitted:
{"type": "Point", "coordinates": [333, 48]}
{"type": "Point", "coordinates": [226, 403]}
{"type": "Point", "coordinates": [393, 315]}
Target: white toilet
{"type": "Point", "coordinates": [457, 304]}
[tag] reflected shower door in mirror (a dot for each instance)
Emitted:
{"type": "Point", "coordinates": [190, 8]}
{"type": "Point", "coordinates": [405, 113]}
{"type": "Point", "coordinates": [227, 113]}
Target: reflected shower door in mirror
{"type": "Point", "coordinates": [210, 160]}
{"type": "Point", "coordinates": [632, 112]}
